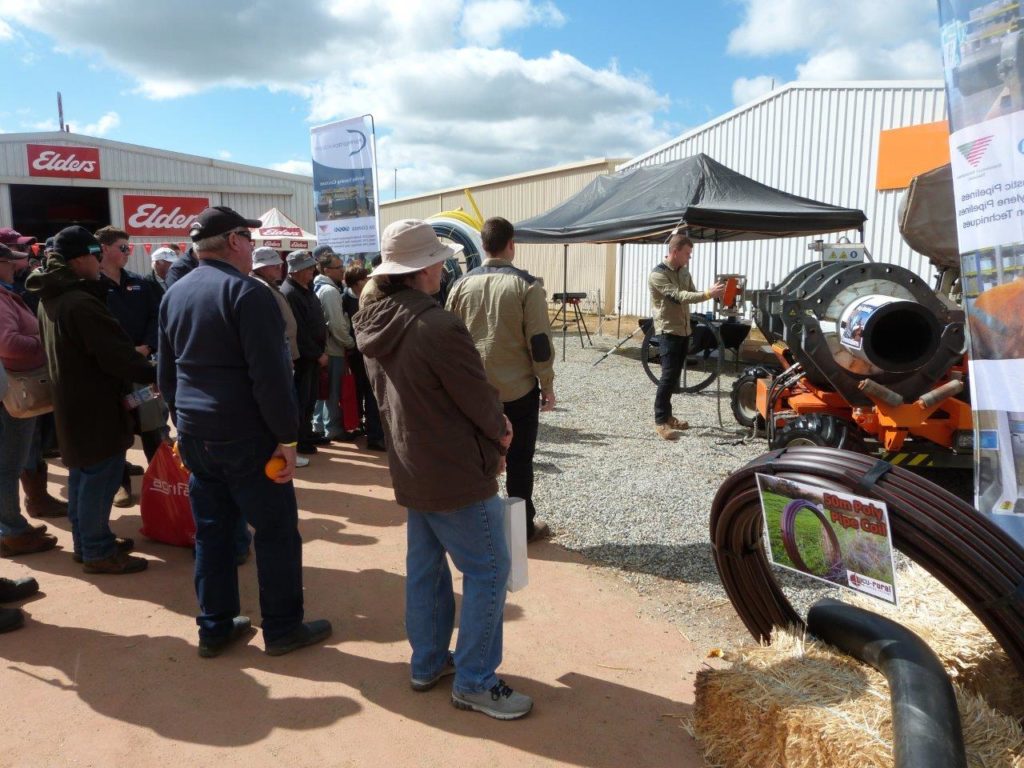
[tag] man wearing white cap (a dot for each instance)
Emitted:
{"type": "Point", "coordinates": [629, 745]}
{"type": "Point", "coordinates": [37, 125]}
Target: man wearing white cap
{"type": "Point", "coordinates": [266, 267]}
{"type": "Point", "coordinates": [446, 439]}
{"type": "Point", "coordinates": [161, 260]}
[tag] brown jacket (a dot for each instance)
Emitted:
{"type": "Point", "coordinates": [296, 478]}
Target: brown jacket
{"type": "Point", "coordinates": [441, 417]}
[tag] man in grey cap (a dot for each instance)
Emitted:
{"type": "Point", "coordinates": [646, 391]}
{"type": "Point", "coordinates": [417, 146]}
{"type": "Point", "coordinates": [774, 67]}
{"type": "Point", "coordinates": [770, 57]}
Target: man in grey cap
{"type": "Point", "coordinates": [328, 285]}
{"type": "Point", "coordinates": [311, 335]}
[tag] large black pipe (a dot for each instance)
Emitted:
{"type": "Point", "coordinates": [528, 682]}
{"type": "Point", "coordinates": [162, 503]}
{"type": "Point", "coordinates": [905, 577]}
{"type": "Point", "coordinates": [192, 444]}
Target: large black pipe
{"type": "Point", "coordinates": [925, 719]}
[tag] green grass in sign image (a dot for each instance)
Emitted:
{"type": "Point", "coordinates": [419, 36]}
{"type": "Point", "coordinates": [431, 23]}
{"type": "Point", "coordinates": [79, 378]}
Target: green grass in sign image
{"type": "Point", "coordinates": [809, 536]}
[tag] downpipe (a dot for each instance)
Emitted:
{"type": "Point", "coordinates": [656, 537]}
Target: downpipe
{"type": "Point", "coordinates": [925, 719]}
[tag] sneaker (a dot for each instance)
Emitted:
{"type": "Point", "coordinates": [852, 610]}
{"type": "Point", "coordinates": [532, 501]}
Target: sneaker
{"type": "Point", "coordinates": [666, 431]}
{"type": "Point", "coordinates": [117, 564]}
{"type": "Point", "coordinates": [301, 461]}
{"type": "Point", "coordinates": [541, 530]}
{"type": "Point", "coordinates": [677, 424]}
{"type": "Point", "coordinates": [11, 618]}
{"type": "Point", "coordinates": [123, 498]}
{"type": "Point", "coordinates": [123, 545]}
{"type": "Point", "coordinates": [426, 683]}
{"type": "Point", "coordinates": [214, 646]}
{"type": "Point", "coordinates": [305, 634]}
{"type": "Point", "coordinates": [26, 543]}
{"type": "Point", "coordinates": [17, 589]}
{"type": "Point", "coordinates": [500, 702]}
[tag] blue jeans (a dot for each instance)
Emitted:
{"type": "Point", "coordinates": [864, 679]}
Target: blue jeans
{"type": "Point", "coordinates": [90, 494]}
{"type": "Point", "coordinates": [474, 536]}
{"type": "Point", "coordinates": [15, 443]}
{"type": "Point", "coordinates": [227, 483]}
{"type": "Point", "coordinates": [327, 418]}
{"type": "Point", "coordinates": [672, 349]}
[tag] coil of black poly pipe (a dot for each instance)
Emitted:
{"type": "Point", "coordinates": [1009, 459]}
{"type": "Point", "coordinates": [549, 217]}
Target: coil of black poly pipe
{"type": "Point", "coordinates": [964, 550]}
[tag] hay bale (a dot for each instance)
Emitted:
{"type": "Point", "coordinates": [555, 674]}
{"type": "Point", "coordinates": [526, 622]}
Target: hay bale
{"type": "Point", "coordinates": [965, 647]}
{"type": "Point", "coordinates": [799, 704]}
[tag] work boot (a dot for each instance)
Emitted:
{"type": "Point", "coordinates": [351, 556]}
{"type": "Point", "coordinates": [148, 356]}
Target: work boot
{"type": "Point", "coordinates": [541, 530]}
{"type": "Point", "coordinates": [125, 545]}
{"type": "Point", "coordinates": [500, 702]}
{"type": "Point", "coordinates": [38, 501]}
{"type": "Point", "coordinates": [11, 618]}
{"type": "Point", "coordinates": [677, 424]}
{"type": "Point", "coordinates": [26, 543]}
{"type": "Point", "coordinates": [214, 646]}
{"type": "Point", "coordinates": [17, 589]}
{"type": "Point", "coordinates": [117, 564]}
{"type": "Point", "coordinates": [666, 431]}
{"type": "Point", "coordinates": [305, 634]}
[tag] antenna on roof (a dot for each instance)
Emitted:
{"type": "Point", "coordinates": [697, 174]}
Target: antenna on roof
{"type": "Point", "coordinates": [60, 112]}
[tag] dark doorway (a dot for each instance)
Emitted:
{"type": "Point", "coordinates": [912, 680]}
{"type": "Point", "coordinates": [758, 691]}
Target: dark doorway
{"type": "Point", "coordinates": [41, 210]}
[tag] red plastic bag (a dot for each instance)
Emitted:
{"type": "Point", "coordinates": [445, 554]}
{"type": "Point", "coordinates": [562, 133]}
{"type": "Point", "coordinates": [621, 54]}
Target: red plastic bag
{"type": "Point", "coordinates": [166, 511]}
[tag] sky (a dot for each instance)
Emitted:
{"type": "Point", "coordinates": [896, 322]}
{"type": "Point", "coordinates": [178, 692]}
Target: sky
{"type": "Point", "coordinates": [460, 90]}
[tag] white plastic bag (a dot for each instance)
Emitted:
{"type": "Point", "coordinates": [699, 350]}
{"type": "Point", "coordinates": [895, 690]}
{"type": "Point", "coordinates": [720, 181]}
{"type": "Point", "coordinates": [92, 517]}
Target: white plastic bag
{"type": "Point", "coordinates": [515, 535]}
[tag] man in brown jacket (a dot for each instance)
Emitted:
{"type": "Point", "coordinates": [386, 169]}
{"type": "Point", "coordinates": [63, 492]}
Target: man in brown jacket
{"type": "Point", "coordinates": [672, 292]}
{"type": "Point", "coordinates": [446, 434]}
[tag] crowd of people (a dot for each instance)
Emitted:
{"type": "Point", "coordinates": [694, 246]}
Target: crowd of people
{"type": "Point", "coordinates": [449, 382]}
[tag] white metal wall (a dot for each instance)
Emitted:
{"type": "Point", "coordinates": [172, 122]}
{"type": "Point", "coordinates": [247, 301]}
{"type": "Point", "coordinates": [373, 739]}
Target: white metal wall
{"type": "Point", "coordinates": [591, 267]}
{"type": "Point", "coordinates": [814, 140]}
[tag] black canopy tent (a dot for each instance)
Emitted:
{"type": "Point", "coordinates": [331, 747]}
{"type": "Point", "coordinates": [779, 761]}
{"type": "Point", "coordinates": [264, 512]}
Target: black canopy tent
{"type": "Point", "coordinates": [697, 194]}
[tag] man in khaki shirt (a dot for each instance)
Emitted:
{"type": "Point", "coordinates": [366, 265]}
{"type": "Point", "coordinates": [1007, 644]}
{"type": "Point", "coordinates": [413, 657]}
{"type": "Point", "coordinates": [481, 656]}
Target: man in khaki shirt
{"type": "Point", "coordinates": [672, 292]}
{"type": "Point", "coordinates": [506, 312]}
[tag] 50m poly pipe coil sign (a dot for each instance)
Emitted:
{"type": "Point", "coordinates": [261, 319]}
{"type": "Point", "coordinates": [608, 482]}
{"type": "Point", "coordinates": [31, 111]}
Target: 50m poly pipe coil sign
{"type": "Point", "coordinates": [831, 536]}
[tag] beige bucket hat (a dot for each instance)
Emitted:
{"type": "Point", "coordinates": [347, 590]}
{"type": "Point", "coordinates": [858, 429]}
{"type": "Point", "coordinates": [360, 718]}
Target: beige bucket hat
{"type": "Point", "coordinates": [410, 245]}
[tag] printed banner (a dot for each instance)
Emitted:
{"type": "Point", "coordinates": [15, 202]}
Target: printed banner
{"type": "Point", "coordinates": [63, 162]}
{"type": "Point", "coordinates": [344, 186]}
{"type": "Point", "coordinates": [831, 536]}
{"type": "Point", "coordinates": [983, 52]}
{"type": "Point", "coordinates": [161, 215]}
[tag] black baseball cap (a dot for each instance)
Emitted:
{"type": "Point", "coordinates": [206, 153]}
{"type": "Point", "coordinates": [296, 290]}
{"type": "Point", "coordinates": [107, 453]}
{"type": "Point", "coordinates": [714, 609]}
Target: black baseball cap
{"type": "Point", "coordinates": [6, 254]}
{"type": "Point", "coordinates": [218, 220]}
{"type": "Point", "coordinates": [72, 242]}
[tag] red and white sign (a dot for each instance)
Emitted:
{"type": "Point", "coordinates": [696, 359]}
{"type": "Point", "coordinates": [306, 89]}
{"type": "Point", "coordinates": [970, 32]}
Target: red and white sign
{"type": "Point", "coordinates": [63, 162]}
{"type": "Point", "coordinates": [147, 215]}
{"type": "Point", "coordinates": [299, 244]}
{"type": "Point", "coordinates": [271, 243]}
{"type": "Point", "coordinates": [280, 231]}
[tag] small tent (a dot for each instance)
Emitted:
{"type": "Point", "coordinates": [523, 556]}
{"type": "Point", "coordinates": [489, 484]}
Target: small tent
{"type": "Point", "coordinates": [281, 233]}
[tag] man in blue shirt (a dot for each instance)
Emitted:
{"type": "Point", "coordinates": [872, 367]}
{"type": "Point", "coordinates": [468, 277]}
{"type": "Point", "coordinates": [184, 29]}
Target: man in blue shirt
{"type": "Point", "coordinates": [224, 370]}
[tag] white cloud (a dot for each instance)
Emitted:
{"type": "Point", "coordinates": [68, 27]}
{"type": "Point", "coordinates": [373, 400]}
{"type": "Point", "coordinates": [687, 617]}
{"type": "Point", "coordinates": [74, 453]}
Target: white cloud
{"type": "Point", "coordinates": [224, 154]}
{"type": "Point", "coordinates": [42, 125]}
{"type": "Point", "coordinates": [101, 127]}
{"type": "Point", "coordinates": [449, 106]}
{"type": "Point", "coordinates": [301, 167]}
{"type": "Point", "coordinates": [844, 39]}
{"type": "Point", "coordinates": [746, 89]}
{"type": "Point", "coordinates": [485, 21]}
{"type": "Point", "coordinates": [6, 33]}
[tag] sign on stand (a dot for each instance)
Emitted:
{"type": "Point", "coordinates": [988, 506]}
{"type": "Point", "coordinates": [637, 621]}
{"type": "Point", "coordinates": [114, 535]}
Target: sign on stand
{"type": "Point", "coordinates": [831, 536]}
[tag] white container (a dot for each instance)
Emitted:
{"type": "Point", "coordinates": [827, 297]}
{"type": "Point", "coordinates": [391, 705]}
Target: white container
{"type": "Point", "coordinates": [515, 535]}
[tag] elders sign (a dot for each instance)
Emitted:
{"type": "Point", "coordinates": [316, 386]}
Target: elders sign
{"type": "Point", "coordinates": [63, 162]}
{"type": "Point", "coordinates": [160, 216]}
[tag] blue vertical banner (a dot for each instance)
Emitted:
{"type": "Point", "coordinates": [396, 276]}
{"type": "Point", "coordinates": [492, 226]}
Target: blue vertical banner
{"type": "Point", "coordinates": [983, 54]}
{"type": "Point", "coordinates": [345, 185]}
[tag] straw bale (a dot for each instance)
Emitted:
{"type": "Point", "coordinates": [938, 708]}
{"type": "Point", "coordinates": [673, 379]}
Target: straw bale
{"type": "Point", "coordinates": [967, 650]}
{"type": "Point", "coordinates": [799, 704]}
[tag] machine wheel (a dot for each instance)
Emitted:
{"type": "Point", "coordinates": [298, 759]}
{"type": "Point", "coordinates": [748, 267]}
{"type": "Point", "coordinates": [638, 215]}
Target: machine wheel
{"type": "Point", "coordinates": [743, 398]}
{"type": "Point", "coordinates": [703, 361]}
{"type": "Point", "coordinates": [819, 429]}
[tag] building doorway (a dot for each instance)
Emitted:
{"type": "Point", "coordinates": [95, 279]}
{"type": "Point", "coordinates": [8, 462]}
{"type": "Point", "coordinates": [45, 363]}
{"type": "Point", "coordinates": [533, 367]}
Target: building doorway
{"type": "Point", "coordinates": [41, 211]}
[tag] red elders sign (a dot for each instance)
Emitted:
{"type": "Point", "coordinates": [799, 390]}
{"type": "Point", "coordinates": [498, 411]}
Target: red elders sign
{"type": "Point", "coordinates": [158, 216]}
{"type": "Point", "coordinates": [63, 162]}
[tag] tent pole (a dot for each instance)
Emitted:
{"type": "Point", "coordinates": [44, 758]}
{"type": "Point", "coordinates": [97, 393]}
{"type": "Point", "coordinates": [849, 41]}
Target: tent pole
{"type": "Point", "coordinates": [565, 295]}
{"type": "Point", "coordinates": [618, 307]}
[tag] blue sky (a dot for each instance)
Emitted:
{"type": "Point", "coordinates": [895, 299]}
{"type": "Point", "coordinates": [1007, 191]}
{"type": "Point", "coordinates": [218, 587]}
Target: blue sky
{"type": "Point", "coordinates": [461, 89]}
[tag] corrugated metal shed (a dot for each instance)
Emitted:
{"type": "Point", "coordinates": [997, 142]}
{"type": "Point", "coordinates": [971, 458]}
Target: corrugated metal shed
{"type": "Point", "coordinates": [591, 267]}
{"type": "Point", "coordinates": [817, 140]}
{"type": "Point", "coordinates": [136, 170]}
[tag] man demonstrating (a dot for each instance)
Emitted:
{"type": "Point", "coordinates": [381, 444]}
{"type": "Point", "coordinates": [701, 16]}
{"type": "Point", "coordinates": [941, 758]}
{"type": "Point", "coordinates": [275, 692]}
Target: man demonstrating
{"type": "Point", "coordinates": [330, 278]}
{"type": "Point", "coordinates": [672, 292]}
{"type": "Point", "coordinates": [92, 363]}
{"type": "Point", "coordinates": [506, 313]}
{"type": "Point", "coordinates": [230, 392]}
{"type": "Point", "coordinates": [312, 340]}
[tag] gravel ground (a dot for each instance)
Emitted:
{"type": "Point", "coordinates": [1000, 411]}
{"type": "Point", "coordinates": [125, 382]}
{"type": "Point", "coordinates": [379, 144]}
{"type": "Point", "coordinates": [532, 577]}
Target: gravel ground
{"type": "Point", "coordinates": [617, 493]}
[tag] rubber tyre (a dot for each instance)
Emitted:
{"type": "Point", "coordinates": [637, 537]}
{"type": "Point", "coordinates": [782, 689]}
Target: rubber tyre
{"type": "Point", "coordinates": [819, 429]}
{"type": "Point", "coordinates": [700, 369]}
{"type": "Point", "coordinates": [743, 398]}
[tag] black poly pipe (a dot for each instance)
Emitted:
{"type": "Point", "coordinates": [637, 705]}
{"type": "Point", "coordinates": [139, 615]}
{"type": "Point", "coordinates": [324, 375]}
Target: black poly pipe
{"type": "Point", "coordinates": [925, 719]}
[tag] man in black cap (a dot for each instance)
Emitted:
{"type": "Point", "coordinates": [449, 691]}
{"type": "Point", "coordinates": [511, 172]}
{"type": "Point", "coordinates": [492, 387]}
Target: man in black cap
{"type": "Point", "coordinates": [225, 372]}
{"type": "Point", "coordinates": [92, 362]}
{"type": "Point", "coordinates": [312, 339]}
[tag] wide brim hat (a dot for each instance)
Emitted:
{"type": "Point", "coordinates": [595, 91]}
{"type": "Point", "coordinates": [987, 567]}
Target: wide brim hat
{"type": "Point", "coordinates": [410, 245]}
{"type": "Point", "coordinates": [299, 260]}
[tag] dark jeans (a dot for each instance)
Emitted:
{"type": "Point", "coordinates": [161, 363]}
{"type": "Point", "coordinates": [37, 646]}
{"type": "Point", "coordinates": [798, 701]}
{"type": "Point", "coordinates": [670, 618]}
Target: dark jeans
{"type": "Point", "coordinates": [369, 413]}
{"type": "Point", "coordinates": [673, 350]}
{"type": "Point", "coordinates": [90, 493]}
{"type": "Point", "coordinates": [228, 482]}
{"type": "Point", "coordinates": [524, 414]}
{"type": "Point", "coordinates": [307, 386]}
